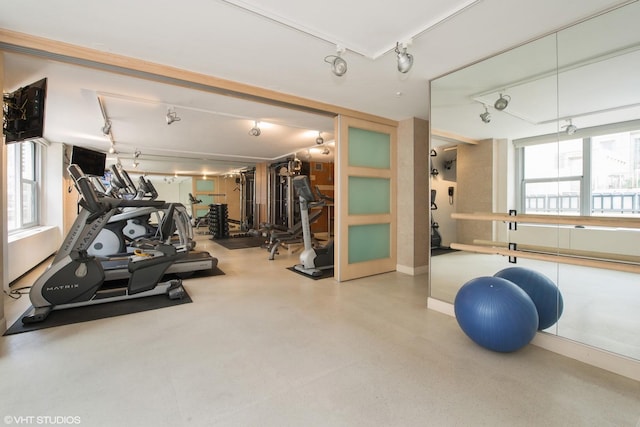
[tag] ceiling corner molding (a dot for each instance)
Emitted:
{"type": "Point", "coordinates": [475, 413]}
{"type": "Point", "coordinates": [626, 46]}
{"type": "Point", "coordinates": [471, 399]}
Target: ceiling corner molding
{"type": "Point", "coordinates": [452, 137]}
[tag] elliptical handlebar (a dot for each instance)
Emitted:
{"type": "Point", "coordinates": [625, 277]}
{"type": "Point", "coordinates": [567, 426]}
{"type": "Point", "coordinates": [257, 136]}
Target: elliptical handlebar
{"type": "Point", "coordinates": [85, 188]}
{"type": "Point", "coordinates": [97, 204]}
{"type": "Point", "coordinates": [123, 181]}
{"type": "Point", "coordinates": [148, 188]}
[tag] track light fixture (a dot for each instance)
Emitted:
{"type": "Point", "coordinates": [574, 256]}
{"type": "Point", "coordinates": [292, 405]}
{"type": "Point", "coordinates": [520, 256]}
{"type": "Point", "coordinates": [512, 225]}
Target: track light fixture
{"type": "Point", "coordinates": [172, 116]}
{"type": "Point", "coordinates": [106, 129]}
{"type": "Point", "coordinates": [319, 139]}
{"type": "Point", "coordinates": [112, 148]}
{"type": "Point", "coordinates": [136, 154]}
{"type": "Point", "coordinates": [255, 130]}
{"type": "Point", "coordinates": [570, 129]}
{"type": "Point", "coordinates": [338, 65]}
{"type": "Point", "coordinates": [502, 102]}
{"type": "Point", "coordinates": [405, 60]}
{"type": "Point", "coordinates": [486, 116]}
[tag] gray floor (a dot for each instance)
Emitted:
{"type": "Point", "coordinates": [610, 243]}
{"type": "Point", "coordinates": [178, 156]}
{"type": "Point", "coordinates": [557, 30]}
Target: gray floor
{"type": "Point", "coordinates": [262, 346]}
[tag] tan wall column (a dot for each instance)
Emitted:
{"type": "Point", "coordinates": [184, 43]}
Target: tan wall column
{"type": "Point", "coordinates": [413, 196]}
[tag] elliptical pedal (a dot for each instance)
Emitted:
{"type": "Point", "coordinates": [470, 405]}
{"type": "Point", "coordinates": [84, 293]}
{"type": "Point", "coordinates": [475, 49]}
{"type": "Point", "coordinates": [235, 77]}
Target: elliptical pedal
{"type": "Point", "coordinates": [36, 315]}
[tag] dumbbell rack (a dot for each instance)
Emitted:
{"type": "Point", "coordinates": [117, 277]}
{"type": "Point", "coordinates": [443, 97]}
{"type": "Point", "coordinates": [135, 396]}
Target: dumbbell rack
{"type": "Point", "coordinates": [218, 221]}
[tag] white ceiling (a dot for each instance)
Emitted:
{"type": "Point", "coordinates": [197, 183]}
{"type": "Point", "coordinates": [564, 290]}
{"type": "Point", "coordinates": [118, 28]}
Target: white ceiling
{"type": "Point", "coordinates": [587, 74]}
{"type": "Point", "coordinates": [279, 46]}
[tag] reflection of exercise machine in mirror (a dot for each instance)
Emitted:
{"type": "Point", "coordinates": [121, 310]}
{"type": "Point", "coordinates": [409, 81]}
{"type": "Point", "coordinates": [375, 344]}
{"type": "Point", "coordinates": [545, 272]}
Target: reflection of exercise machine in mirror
{"type": "Point", "coordinates": [315, 258]}
{"type": "Point", "coordinates": [283, 227]}
{"type": "Point", "coordinates": [436, 239]}
{"type": "Point", "coordinates": [197, 221]}
{"type": "Point", "coordinates": [247, 189]}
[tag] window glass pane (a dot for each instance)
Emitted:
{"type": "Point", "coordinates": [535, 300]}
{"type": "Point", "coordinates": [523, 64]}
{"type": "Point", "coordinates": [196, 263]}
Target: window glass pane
{"type": "Point", "coordinates": [616, 161]}
{"type": "Point", "coordinates": [28, 203]}
{"type": "Point", "coordinates": [13, 220]}
{"type": "Point", "coordinates": [557, 198]}
{"type": "Point", "coordinates": [552, 160]}
{"type": "Point", "coordinates": [28, 161]}
{"type": "Point", "coordinates": [615, 174]}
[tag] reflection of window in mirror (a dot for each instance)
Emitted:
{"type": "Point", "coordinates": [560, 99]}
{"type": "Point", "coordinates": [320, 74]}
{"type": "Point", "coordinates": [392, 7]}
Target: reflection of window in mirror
{"type": "Point", "coordinates": [554, 181]}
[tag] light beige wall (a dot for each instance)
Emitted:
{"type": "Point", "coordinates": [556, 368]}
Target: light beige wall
{"type": "Point", "coordinates": [413, 196]}
{"type": "Point", "coordinates": [475, 189]}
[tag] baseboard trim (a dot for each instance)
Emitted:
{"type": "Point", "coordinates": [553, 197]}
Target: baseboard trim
{"type": "Point", "coordinates": [412, 271]}
{"type": "Point", "coordinates": [602, 359]}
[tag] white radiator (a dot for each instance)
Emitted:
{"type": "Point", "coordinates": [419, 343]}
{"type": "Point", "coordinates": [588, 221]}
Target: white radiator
{"type": "Point", "coordinates": [28, 249]}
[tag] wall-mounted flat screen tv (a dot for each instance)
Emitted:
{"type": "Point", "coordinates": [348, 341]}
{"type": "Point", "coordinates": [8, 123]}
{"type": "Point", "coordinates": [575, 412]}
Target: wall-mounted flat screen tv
{"type": "Point", "coordinates": [24, 112]}
{"type": "Point", "coordinates": [91, 162]}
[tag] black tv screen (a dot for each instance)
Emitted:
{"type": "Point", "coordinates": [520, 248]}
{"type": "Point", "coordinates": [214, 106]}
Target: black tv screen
{"type": "Point", "coordinates": [24, 112]}
{"type": "Point", "coordinates": [91, 162]}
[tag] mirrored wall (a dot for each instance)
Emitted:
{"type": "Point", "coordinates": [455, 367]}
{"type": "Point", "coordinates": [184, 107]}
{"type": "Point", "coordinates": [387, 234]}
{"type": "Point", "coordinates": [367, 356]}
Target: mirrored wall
{"type": "Point", "coordinates": [548, 132]}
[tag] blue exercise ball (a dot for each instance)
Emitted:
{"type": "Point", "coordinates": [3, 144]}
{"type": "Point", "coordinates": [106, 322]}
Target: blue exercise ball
{"type": "Point", "coordinates": [496, 314]}
{"type": "Point", "coordinates": [543, 292]}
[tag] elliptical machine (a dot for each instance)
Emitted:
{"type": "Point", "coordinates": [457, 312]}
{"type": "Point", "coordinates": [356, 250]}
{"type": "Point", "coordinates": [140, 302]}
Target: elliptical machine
{"type": "Point", "coordinates": [75, 279]}
{"type": "Point", "coordinates": [313, 260]}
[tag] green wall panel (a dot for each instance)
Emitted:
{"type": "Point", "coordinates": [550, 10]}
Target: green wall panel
{"type": "Point", "coordinates": [369, 242]}
{"type": "Point", "coordinates": [206, 200]}
{"type": "Point", "coordinates": [369, 195]}
{"type": "Point", "coordinates": [204, 185]}
{"type": "Point", "coordinates": [369, 149]}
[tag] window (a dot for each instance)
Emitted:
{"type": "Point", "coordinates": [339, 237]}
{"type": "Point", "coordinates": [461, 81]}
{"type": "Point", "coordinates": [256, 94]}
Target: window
{"type": "Point", "coordinates": [598, 174]}
{"type": "Point", "coordinates": [22, 186]}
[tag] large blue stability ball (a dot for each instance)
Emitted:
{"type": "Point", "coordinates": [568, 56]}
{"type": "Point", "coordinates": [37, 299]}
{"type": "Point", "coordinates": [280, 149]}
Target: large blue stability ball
{"type": "Point", "coordinates": [496, 314]}
{"type": "Point", "coordinates": [543, 292]}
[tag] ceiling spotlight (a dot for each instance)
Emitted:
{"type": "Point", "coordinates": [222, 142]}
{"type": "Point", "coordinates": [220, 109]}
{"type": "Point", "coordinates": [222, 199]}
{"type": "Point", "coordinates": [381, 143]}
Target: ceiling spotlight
{"type": "Point", "coordinates": [338, 65]}
{"type": "Point", "coordinates": [326, 151]}
{"type": "Point", "coordinates": [255, 130]}
{"type": "Point", "coordinates": [136, 154]}
{"type": "Point", "coordinates": [502, 102]}
{"type": "Point", "coordinates": [106, 129]}
{"type": "Point", "coordinates": [486, 116]}
{"type": "Point", "coordinates": [319, 139]}
{"type": "Point", "coordinates": [405, 60]}
{"type": "Point", "coordinates": [570, 129]}
{"type": "Point", "coordinates": [172, 116]}
{"type": "Point", "coordinates": [112, 149]}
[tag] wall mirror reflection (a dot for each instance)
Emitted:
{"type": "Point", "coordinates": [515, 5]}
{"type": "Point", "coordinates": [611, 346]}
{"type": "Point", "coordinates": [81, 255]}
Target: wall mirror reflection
{"type": "Point", "coordinates": [551, 132]}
